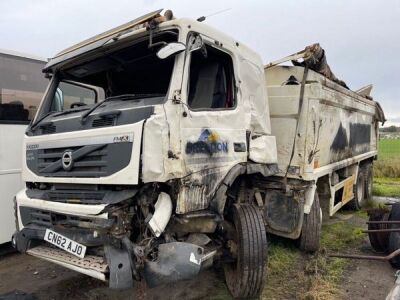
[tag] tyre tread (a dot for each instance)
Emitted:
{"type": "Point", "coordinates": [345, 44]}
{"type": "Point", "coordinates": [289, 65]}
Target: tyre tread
{"type": "Point", "coordinates": [311, 229]}
{"type": "Point", "coordinates": [251, 231]}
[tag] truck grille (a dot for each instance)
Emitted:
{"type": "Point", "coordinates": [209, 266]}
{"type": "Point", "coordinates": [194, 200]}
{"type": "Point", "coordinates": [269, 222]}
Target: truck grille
{"type": "Point", "coordinates": [94, 160]}
{"type": "Point", "coordinates": [89, 161]}
{"type": "Point", "coordinates": [90, 197]}
{"type": "Point", "coordinates": [81, 196]}
{"type": "Point", "coordinates": [43, 218]}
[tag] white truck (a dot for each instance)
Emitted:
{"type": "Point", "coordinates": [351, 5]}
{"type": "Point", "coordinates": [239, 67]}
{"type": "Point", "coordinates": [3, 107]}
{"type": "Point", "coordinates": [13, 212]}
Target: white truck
{"type": "Point", "coordinates": [21, 89]}
{"type": "Point", "coordinates": [163, 145]}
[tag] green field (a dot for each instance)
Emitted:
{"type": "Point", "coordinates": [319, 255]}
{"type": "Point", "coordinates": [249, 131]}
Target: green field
{"type": "Point", "coordinates": [387, 169]}
{"type": "Point", "coordinates": [389, 149]}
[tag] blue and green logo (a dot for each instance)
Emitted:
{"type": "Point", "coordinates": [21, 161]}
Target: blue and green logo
{"type": "Point", "coordinates": [209, 142]}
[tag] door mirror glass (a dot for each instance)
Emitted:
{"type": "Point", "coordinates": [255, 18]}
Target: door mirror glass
{"type": "Point", "coordinates": [58, 101]}
{"type": "Point", "coordinates": [170, 49]}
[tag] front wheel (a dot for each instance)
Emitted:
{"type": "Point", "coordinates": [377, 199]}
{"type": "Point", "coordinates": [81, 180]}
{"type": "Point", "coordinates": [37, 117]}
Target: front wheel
{"type": "Point", "coordinates": [245, 275]}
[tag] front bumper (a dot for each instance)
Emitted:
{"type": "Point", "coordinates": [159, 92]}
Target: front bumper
{"type": "Point", "coordinates": [112, 259]}
{"type": "Point", "coordinates": [176, 261]}
{"type": "Point", "coordinates": [107, 260]}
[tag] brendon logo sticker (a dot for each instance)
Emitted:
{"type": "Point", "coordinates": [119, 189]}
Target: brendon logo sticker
{"type": "Point", "coordinates": [209, 142]}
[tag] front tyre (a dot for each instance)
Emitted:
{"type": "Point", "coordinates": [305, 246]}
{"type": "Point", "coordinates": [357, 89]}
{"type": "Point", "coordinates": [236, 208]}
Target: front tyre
{"type": "Point", "coordinates": [245, 276]}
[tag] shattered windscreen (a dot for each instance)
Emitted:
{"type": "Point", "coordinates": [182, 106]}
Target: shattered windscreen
{"type": "Point", "coordinates": [134, 70]}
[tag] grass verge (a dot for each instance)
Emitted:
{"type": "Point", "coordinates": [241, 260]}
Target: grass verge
{"type": "Point", "coordinates": [388, 163]}
{"type": "Point", "coordinates": [283, 259]}
{"type": "Point", "coordinates": [388, 187]}
{"type": "Point", "coordinates": [326, 273]}
{"type": "Point", "coordinates": [387, 167]}
{"type": "Point", "coordinates": [295, 275]}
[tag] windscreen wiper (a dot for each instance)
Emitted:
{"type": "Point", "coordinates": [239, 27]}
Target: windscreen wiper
{"type": "Point", "coordinates": [35, 124]}
{"type": "Point", "coordinates": [123, 97]}
{"type": "Point", "coordinates": [65, 112]}
{"type": "Point", "coordinates": [55, 114]}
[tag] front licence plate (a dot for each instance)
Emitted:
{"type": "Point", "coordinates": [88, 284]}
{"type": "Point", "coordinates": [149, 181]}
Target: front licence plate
{"type": "Point", "coordinates": [65, 243]}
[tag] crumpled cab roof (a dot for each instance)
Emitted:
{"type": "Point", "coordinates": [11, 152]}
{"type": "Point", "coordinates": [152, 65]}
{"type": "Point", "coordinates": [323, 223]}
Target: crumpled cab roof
{"type": "Point", "coordinates": [100, 39]}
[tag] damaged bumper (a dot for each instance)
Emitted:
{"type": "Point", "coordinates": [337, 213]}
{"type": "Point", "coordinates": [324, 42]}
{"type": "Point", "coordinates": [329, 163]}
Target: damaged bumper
{"type": "Point", "coordinates": [108, 258]}
{"type": "Point", "coordinates": [176, 261]}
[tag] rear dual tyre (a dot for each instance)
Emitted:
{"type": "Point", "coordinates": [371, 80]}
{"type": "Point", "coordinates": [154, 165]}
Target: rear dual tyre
{"type": "Point", "coordinates": [369, 181]}
{"type": "Point", "coordinates": [363, 187]}
{"type": "Point", "coordinates": [311, 228]}
{"type": "Point", "coordinates": [359, 192]}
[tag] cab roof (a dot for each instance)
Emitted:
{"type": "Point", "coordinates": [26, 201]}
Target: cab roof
{"type": "Point", "coordinates": [138, 26]}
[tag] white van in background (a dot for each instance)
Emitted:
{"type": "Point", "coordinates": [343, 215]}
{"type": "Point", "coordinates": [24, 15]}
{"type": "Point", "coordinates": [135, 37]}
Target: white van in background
{"type": "Point", "coordinates": [21, 88]}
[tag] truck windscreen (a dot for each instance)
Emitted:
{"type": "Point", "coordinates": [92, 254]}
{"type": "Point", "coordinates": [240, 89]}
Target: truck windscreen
{"type": "Point", "coordinates": [132, 70]}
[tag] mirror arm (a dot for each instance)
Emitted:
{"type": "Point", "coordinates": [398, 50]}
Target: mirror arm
{"type": "Point", "coordinates": [150, 28]}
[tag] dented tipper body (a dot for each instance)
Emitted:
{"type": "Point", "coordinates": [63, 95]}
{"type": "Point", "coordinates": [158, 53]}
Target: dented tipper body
{"type": "Point", "coordinates": [157, 150]}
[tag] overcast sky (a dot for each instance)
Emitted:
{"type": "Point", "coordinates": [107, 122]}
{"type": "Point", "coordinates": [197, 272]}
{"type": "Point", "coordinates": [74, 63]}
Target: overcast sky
{"type": "Point", "coordinates": [361, 38]}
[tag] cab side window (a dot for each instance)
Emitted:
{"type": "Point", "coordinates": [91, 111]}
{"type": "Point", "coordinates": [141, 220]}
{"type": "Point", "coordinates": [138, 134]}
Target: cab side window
{"type": "Point", "coordinates": [211, 80]}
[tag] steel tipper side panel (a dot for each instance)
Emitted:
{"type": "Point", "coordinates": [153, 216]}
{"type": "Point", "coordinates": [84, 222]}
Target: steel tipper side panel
{"type": "Point", "coordinates": [345, 133]}
{"type": "Point", "coordinates": [129, 174]}
{"type": "Point", "coordinates": [284, 101]}
{"type": "Point", "coordinates": [336, 126]}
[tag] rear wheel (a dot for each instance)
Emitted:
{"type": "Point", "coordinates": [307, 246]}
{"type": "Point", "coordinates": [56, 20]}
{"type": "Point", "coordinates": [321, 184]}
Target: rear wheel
{"type": "Point", "coordinates": [369, 181]}
{"type": "Point", "coordinates": [245, 275]}
{"type": "Point", "coordinates": [359, 190]}
{"type": "Point", "coordinates": [311, 229]}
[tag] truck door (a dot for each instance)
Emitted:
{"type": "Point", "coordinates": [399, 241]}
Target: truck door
{"type": "Point", "coordinates": [213, 124]}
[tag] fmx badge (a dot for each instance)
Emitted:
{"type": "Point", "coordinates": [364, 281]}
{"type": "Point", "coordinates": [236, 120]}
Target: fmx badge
{"type": "Point", "coordinates": [122, 138]}
{"type": "Point", "coordinates": [209, 142]}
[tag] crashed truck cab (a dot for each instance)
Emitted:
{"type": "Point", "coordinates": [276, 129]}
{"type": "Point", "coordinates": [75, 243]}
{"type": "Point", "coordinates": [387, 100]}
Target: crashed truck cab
{"type": "Point", "coordinates": [131, 159]}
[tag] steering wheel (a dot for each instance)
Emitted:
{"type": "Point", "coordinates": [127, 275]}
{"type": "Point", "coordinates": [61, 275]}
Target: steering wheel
{"type": "Point", "coordinates": [77, 104]}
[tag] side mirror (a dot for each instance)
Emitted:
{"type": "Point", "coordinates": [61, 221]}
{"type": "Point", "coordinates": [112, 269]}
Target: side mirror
{"type": "Point", "coordinates": [58, 101]}
{"type": "Point", "coordinates": [170, 49]}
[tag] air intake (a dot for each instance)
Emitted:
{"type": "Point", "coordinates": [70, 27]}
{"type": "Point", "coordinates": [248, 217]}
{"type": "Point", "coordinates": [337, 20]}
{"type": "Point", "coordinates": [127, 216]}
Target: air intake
{"type": "Point", "coordinates": [103, 122]}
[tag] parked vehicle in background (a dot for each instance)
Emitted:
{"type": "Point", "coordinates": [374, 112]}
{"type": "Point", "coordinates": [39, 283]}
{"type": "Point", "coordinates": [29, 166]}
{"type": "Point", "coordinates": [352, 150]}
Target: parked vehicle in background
{"type": "Point", "coordinates": [163, 145]}
{"type": "Point", "coordinates": [22, 85]}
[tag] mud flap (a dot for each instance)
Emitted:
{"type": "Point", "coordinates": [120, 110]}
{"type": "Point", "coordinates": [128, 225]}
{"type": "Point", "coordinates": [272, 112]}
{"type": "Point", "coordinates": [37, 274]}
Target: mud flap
{"type": "Point", "coordinates": [120, 268]}
{"type": "Point", "coordinates": [176, 261]}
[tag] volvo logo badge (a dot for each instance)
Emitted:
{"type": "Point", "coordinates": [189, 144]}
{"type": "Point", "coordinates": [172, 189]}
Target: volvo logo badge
{"type": "Point", "coordinates": [66, 160]}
